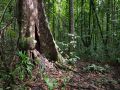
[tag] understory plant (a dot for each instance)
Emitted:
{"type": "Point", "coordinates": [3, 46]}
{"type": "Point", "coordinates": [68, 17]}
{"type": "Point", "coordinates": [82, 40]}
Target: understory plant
{"type": "Point", "coordinates": [97, 68]}
{"type": "Point", "coordinates": [68, 48]}
{"type": "Point", "coordinates": [23, 67]}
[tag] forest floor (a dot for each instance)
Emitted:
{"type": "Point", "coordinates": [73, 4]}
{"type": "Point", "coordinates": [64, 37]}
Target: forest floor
{"type": "Point", "coordinates": [95, 76]}
{"type": "Point", "coordinates": [88, 75]}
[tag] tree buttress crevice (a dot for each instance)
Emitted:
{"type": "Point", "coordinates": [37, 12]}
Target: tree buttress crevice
{"type": "Point", "coordinates": [37, 39]}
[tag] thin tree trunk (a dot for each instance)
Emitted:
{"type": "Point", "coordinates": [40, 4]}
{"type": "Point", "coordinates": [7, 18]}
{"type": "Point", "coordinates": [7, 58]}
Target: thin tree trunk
{"type": "Point", "coordinates": [71, 11]}
{"type": "Point", "coordinates": [71, 24]}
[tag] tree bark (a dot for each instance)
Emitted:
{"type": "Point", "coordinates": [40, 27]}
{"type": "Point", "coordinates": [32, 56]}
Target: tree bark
{"type": "Point", "coordinates": [32, 22]}
{"type": "Point", "coordinates": [71, 11]}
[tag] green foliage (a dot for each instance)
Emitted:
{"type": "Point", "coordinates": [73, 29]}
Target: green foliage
{"type": "Point", "coordinates": [5, 76]}
{"type": "Point", "coordinates": [27, 43]}
{"type": "Point", "coordinates": [96, 68]}
{"type": "Point", "coordinates": [23, 67]}
{"type": "Point", "coordinates": [7, 53]}
{"type": "Point", "coordinates": [23, 43]}
{"type": "Point", "coordinates": [68, 48]}
{"type": "Point", "coordinates": [96, 23]}
{"type": "Point", "coordinates": [65, 81]}
{"type": "Point", "coordinates": [11, 33]}
{"type": "Point", "coordinates": [52, 83]}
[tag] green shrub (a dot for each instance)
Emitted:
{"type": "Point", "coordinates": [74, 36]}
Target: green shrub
{"type": "Point", "coordinates": [23, 67]}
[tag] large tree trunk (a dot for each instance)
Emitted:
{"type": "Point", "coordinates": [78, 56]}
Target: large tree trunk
{"type": "Point", "coordinates": [33, 24]}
